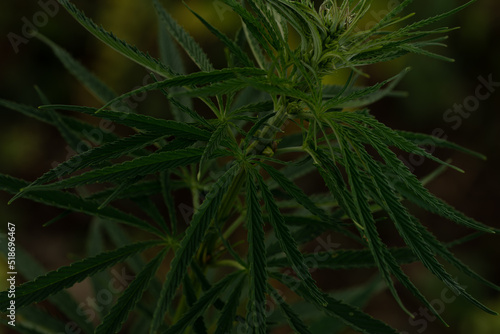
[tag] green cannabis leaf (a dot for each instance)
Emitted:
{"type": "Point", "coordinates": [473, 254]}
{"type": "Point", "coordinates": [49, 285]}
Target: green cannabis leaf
{"type": "Point", "coordinates": [267, 118]}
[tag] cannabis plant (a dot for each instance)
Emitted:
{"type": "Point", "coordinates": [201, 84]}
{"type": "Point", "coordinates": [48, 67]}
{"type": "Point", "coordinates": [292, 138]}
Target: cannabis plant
{"type": "Point", "coordinates": [244, 254]}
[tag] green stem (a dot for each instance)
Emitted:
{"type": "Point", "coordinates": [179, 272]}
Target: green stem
{"type": "Point", "coordinates": [181, 309]}
{"type": "Point", "coordinates": [231, 196]}
{"type": "Point", "coordinates": [291, 149]}
{"type": "Point", "coordinates": [230, 263]}
{"type": "Point", "coordinates": [194, 189]}
{"type": "Point", "coordinates": [255, 147]}
{"type": "Point", "coordinates": [223, 213]}
{"type": "Point", "coordinates": [269, 131]}
{"type": "Point", "coordinates": [227, 233]}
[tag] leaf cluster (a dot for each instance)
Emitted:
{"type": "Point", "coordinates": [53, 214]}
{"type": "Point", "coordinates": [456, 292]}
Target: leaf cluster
{"type": "Point", "coordinates": [236, 166]}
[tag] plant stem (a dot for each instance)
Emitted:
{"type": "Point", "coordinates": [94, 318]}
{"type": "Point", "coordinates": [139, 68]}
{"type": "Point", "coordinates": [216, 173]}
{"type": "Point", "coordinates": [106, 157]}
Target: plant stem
{"type": "Point", "coordinates": [234, 226]}
{"type": "Point", "coordinates": [269, 131]}
{"type": "Point", "coordinates": [230, 263]}
{"type": "Point", "coordinates": [223, 213]}
{"type": "Point", "coordinates": [292, 149]}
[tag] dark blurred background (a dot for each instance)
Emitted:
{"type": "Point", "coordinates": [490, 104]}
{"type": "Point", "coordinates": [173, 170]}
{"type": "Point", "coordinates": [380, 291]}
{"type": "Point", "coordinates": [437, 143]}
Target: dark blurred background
{"type": "Point", "coordinates": [28, 147]}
